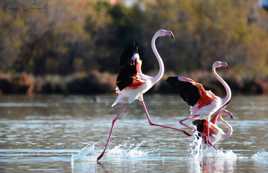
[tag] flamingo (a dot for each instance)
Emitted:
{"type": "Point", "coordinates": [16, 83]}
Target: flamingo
{"type": "Point", "coordinates": [203, 103]}
{"type": "Point", "coordinates": [132, 83]}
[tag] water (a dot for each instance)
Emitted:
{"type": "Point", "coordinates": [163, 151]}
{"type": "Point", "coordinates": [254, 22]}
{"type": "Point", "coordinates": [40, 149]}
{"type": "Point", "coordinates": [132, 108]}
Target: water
{"type": "Point", "coordinates": [54, 134]}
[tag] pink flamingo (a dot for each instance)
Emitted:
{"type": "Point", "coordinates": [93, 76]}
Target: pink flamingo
{"type": "Point", "coordinates": [203, 103]}
{"type": "Point", "coordinates": [132, 83]}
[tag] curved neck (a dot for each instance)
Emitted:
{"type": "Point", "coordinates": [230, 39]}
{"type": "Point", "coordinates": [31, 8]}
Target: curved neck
{"type": "Point", "coordinates": [161, 71]}
{"type": "Point", "coordinates": [228, 91]}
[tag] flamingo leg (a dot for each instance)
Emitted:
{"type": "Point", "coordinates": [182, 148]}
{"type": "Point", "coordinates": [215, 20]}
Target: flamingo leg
{"type": "Point", "coordinates": [206, 140]}
{"type": "Point", "coordinates": [159, 125]}
{"type": "Point", "coordinates": [190, 117]}
{"type": "Point", "coordinates": [209, 143]}
{"type": "Point", "coordinates": [108, 139]}
{"type": "Point", "coordinates": [217, 114]}
{"type": "Point", "coordinates": [214, 121]}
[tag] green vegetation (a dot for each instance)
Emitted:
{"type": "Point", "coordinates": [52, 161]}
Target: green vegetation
{"type": "Point", "coordinates": [64, 37]}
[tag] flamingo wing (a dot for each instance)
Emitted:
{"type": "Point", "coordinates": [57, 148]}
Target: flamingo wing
{"type": "Point", "coordinates": [186, 89]}
{"type": "Point", "coordinates": [128, 66]}
{"type": "Point", "coordinates": [125, 76]}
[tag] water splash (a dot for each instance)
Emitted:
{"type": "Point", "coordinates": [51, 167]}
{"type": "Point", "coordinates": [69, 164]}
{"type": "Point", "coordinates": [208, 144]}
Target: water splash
{"type": "Point", "coordinates": [261, 157]}
{"type": "Point", "coordinates": [85, 159]}
{"type": "Point", "coordinates": [200, 150]}
{"type": "Point", "coordinates": [196, 145]}
{"type": "Point", "coordinates": [228, 154]}
{"type": "Point", "coordinates": [127, 151]}
{"type": "Point", "coordinates": [86, 153]}
{"type": "Point", "coordinates": [207, 159]}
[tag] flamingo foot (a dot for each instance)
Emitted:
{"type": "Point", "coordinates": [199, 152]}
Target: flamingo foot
{"type": "Point", "coordinates": [100, 156]}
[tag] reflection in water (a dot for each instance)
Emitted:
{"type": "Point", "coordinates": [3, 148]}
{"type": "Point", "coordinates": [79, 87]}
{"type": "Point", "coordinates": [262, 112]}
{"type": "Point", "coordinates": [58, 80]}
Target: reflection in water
{"type": "Point", "coordinates": [218, 162]}
{"type": "Point", "coordinates": [212, 165]}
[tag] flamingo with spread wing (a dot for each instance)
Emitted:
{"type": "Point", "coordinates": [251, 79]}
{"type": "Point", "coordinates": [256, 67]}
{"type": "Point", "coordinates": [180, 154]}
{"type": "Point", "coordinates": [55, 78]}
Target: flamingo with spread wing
{"type": "Point", "coordinates": [132, 83]}
{"type": "Point", "coordinates": [203, 104]}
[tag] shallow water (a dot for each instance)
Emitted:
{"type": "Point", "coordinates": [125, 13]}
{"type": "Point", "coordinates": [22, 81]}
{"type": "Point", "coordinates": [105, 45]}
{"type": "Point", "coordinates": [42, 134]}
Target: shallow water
{"type": "Point", "coordinates": [46, 134]}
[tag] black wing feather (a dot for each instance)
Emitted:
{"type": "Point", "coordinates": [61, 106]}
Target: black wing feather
{"type": "Point", "coordinates": [200, 125]}
{"type": "Point", "coordinates": [127, 67]}
{"type": "Point", "coordinates": [188, 92]}
{"type": "Point", "coordinates": [125, 75]}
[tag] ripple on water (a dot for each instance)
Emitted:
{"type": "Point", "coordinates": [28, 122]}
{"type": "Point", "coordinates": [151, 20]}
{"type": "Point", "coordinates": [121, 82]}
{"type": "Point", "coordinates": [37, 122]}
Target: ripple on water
{"type": "Point", "coordinates": [23, 104]}
{"type": "Point", "coordinates": [34, 155]}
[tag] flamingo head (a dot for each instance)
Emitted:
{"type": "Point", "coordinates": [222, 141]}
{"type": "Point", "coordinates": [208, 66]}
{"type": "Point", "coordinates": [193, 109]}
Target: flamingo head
{"type": "Point", "coordinates": [220, 64]}
{"type": "Point", "coordinates": [131, 54]}
{"type": "Point", "coordinates": [136, 59]}
{"type": "Point", "coordinates": [164, 33]}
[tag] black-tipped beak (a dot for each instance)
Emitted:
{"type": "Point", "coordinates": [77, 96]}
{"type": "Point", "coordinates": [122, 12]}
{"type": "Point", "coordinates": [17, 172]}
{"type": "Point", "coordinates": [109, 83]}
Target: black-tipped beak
{"type": "Point", "coordinates": [172, 35]}
{"type": "Point", "coordinates": [232, 116]}
{"type": "Point", "coordinates": [225, 65]}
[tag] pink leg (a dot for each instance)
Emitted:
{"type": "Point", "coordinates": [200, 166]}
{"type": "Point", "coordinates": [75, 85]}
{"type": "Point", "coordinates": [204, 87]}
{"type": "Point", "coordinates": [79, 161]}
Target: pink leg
{"type": "Point", "coordinates": [207, 141]}
{"type": "Point", "coordinates": [108, 139]}
{"type": "Point", "coordinates": [208, 131]}
{"type": "Point", "coordinates": [192, 117]}
{"type": "Point", "coordinates": [163, 126]}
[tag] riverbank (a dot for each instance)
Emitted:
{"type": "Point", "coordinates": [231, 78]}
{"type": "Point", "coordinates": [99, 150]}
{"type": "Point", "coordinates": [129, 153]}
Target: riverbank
{"type": "Point", "coordinates": [96, 82]}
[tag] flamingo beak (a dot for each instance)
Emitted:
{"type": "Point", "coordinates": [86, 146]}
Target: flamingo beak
{"type": "Point", "coordinates": [225, 65]}
{"type": "Point", "coordinates": [232, 116]}
{"type": "Point", "coordinates": [172, 35]}
{"type": "Point", "coordinates": [185, 79]}
{"type": "Point", "coordinates": [164, 32]}
{"type": "Point", "coordinates": [134, 58]}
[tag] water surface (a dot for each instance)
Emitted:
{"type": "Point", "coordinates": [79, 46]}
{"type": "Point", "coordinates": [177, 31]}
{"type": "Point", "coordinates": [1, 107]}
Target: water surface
{"type": "Point", "coordinates": [47, 133]}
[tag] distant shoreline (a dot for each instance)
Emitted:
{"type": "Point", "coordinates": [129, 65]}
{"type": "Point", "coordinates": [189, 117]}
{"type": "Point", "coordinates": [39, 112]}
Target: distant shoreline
{"type": "Point", "coordinates": [104, 83]}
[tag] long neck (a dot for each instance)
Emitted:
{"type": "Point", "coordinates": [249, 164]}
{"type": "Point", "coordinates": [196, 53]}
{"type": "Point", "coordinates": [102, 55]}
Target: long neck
{"type": "Point", "coordinates": [228, 96]}
{"type": "Point", "coordinates": [161, 71]}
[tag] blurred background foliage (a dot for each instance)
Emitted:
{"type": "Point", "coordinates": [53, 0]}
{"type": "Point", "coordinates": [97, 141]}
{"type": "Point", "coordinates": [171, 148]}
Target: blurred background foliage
{"type": "Point", "coordinates": [64, 36]}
